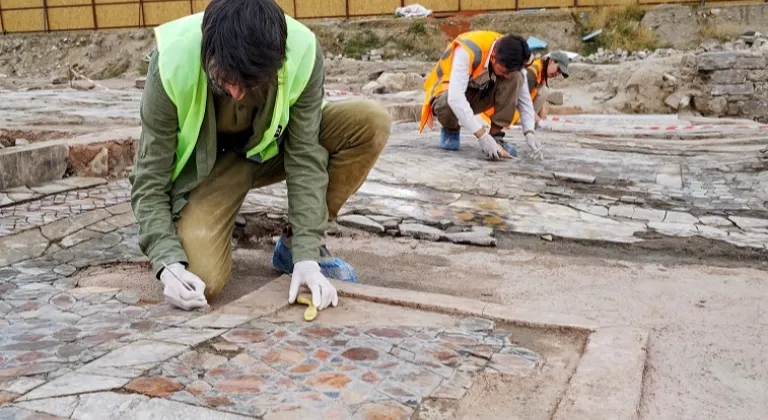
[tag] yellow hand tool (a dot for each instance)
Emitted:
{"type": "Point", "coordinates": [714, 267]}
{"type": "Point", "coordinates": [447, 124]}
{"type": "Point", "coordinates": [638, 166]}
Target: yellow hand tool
{"type": "Point", "coordinates": [311, 312]}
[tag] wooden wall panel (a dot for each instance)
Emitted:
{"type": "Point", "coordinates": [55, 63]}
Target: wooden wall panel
{"type": "Point", "coordinates": [369, 7]}
{"type": "Point", "coordinates": [159, 13]}
{"type": "Point", "coordinates": [24, 20]}
{"type": "Point", "coordinates": [487, 4]}
{"type": "Point", "coordinates": [437, 5]}
{"type": "Point", "coordinates": [538, 4]}
{"type": "Point", "coordinates": [287, 6]}
{"type": "Point", "coordinates": [117, 15]}
{"type": "Point", "coordinates": [320, 8]}
{"type": "Point", "coordinates": [69, 18]}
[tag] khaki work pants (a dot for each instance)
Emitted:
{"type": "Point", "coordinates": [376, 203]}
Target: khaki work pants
{"type": "Point", "coordinates": [354, 132]}
{"type": "Point", "coordinates": [502, 96]}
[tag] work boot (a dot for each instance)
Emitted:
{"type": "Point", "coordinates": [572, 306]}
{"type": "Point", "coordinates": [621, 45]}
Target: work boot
{"type": "Point", "coordinates": [331, 267]}
{"type": "Point", "coordinates": [509, 147]}
{"type": "Point", "coordinates": [449, 140]}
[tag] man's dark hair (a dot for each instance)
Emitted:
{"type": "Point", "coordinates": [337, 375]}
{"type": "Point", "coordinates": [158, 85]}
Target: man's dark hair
{"type": "Point", "coordinates": [243, 42]}
{"type": "Point", "coordinates": [512, 52]}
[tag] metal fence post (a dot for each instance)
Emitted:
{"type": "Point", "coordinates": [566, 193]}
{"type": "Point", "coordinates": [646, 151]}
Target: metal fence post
{"type": "Point", "coordinates": [46, 23]}
{"type": "Point", "coordinates": [95, 19]}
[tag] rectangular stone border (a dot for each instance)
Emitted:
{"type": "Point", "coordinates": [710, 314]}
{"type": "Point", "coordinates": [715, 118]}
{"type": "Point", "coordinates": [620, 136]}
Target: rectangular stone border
{"type": "Point", "coordinates": [608, 380]}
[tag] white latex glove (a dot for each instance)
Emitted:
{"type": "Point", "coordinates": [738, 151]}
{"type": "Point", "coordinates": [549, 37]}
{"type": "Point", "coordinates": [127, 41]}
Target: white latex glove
{"type": "Point", "coordinates": [535, 146]}
{"type": "Point", "coordinates": [543, 125]}
{"type": "Point", "coordinates": [183, 289]}
{"type": "Point", "coordinates": [307, 273]}
{"type": "Point", "coordinates": [489, 146]}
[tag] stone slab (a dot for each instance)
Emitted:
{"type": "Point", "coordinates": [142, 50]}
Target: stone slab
{"type": "Point", "coordinates": [21, 385]}
{"type": "Point", "coordinates": [32, 165]}
{"type": "Point", "coordinates": [471, 238]}
{"type": "Point", "coordinates": [107, 406]}
{"type": "Point", "coordinates": [139, 353]}
{"type": "Point", "coordinates": [608, 381]}
{"type": "Point", "coordinates": [715, 221]}
{"type": "Point", "coordinates": [65, 227]}
{"type": "Point", "coordinates": [674, 229]}
{"type": "Point", "coordinates": [16, 413]}
{"type": "Point", "coordinates": [186, 336]}
{"type": "Point", "coordinates": [670, 180]}
{"type": "Point", "coordinates": [420, 231]}
{"type": "Point", "coordinates": [648, 215]}
{"type": "Point", "coordinates": [62, 406]}
{"type": "Point", "coordinates": [22, 246]}
{"type": "Point", "coordinates": [680, 217]}
{"type": "Point", "coordinates": [75, 383]}
{"type": "Point", "coordinates": [453, 305]}
{"type": "Point", "coordinates": [749, 222]}
{"type": "Point", "coordinates": [160, 409]}
{"type": "Point", "coordinates": [266, 300]}
{"type": "Point", "coordinates": [360, 222]}
{"type": "Point", "coordinates": [575, 177]}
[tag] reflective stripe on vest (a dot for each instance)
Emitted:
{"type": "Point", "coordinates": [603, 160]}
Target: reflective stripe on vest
{"type": "Point", "coordinates": [478, 45]}
{"type": "Point", "coordinates": [536, 67]}
{"type": "Point", "coordinates": [184, 80]}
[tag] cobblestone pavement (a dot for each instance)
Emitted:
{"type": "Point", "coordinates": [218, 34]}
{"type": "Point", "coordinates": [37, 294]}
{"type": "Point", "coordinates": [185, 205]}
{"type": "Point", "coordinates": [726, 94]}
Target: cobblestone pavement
{"type": "Point", "coordinates": [84, 352]}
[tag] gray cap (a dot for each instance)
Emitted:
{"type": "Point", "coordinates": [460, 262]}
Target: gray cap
{"type": "Point", "coordinates": [562, 61]}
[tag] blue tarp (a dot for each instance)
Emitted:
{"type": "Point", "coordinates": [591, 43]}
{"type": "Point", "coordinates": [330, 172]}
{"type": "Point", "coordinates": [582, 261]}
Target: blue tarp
{"type": "Point", "coordinates": [536, 43]}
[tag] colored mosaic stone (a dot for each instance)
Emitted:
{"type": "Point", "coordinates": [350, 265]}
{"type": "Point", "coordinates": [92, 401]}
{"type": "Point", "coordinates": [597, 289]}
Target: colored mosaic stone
{"type": "Point", "coordinates": [154, 386]}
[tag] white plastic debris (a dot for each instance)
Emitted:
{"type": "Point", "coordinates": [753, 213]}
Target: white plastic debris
{"type": "Point", "coordinates": [412, 11]}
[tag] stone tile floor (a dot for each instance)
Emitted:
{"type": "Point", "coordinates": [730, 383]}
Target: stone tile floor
{"type": "Point", "coordinates": [100, 353]}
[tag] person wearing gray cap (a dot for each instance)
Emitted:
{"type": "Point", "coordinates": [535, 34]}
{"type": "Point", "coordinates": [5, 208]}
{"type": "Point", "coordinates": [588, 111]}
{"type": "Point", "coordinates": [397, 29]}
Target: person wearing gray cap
{"type": "Point", "coordinates": [554, 64]}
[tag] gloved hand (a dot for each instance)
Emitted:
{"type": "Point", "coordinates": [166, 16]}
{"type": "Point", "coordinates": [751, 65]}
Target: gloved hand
{"type": "Point", "coordinates": [307, 273]}
{"type": "Point", "coordinates": [183, 289]}
{"type": "Point", "coordinates": [489, 146]}
{"type": "Point", "coordinates": [535, 146]}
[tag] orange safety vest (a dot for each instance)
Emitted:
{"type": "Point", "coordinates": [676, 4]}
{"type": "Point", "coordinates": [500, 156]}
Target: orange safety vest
{"type": "Point", "coordinates": [478, 44]}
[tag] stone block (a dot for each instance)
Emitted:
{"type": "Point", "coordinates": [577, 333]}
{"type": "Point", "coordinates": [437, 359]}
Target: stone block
{"type": "Point", "coordinates": [32, 165]}
{"type": "Point", "coordinates": [575, 177]}
{"type": "Point", "coordinates": [750, 61]}
{"type": "Point", "coordinates": [758, 75]}
{"type": "Point", "coordinates": [730, 77]}
{"type": "Point", "coordinates": [26, 245]}
{"type": "Point", "coordinates": [621, 211]}
{"type": "Point", "coordinates": [472, 238]}
{"type": "Point", "coordinates": [715, 221]}
{"type": "Point", "coordinates": [716, 61]}
{"type": "Point", "coordinates": [674, 229]}
{"type": "Point", "coordinates": [649, 215]}
{"type": "Point", "coordinates": [555, 98]}
{"type": "Point", "coordinates": [741, 89]}
{"type": "Point", "coordinates": [65, 227]}
{"type": "Point", "coordinates": [680, 217]}
{"type": "Point", "coordinates": [749, 222]}
{"type": "Point", "coordinates": [421, 231]}
{"type": "Point", "coordinates": [717, 106]}
{"type": "Point", "coordinates": [360, 222]}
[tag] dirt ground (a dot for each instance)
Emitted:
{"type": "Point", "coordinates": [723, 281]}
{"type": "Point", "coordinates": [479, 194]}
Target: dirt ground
{"type": "Point", "coordinates": [707, 323]}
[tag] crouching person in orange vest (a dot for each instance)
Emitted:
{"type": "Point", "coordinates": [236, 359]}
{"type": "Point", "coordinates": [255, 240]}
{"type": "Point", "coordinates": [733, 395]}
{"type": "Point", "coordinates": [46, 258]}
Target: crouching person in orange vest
{"type": "Point", "coordinates": [234, 100]}
{"type": "Point", "coordinates": [481, 72]}
{"type": "Point", "coordinates": [539, 73]}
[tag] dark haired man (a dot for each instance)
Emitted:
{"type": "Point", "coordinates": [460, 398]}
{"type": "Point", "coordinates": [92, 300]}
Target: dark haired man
{"type": "Point", "coordinates": [234, 100]}
{"type": "Point", "coordinates": [481, 72]}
